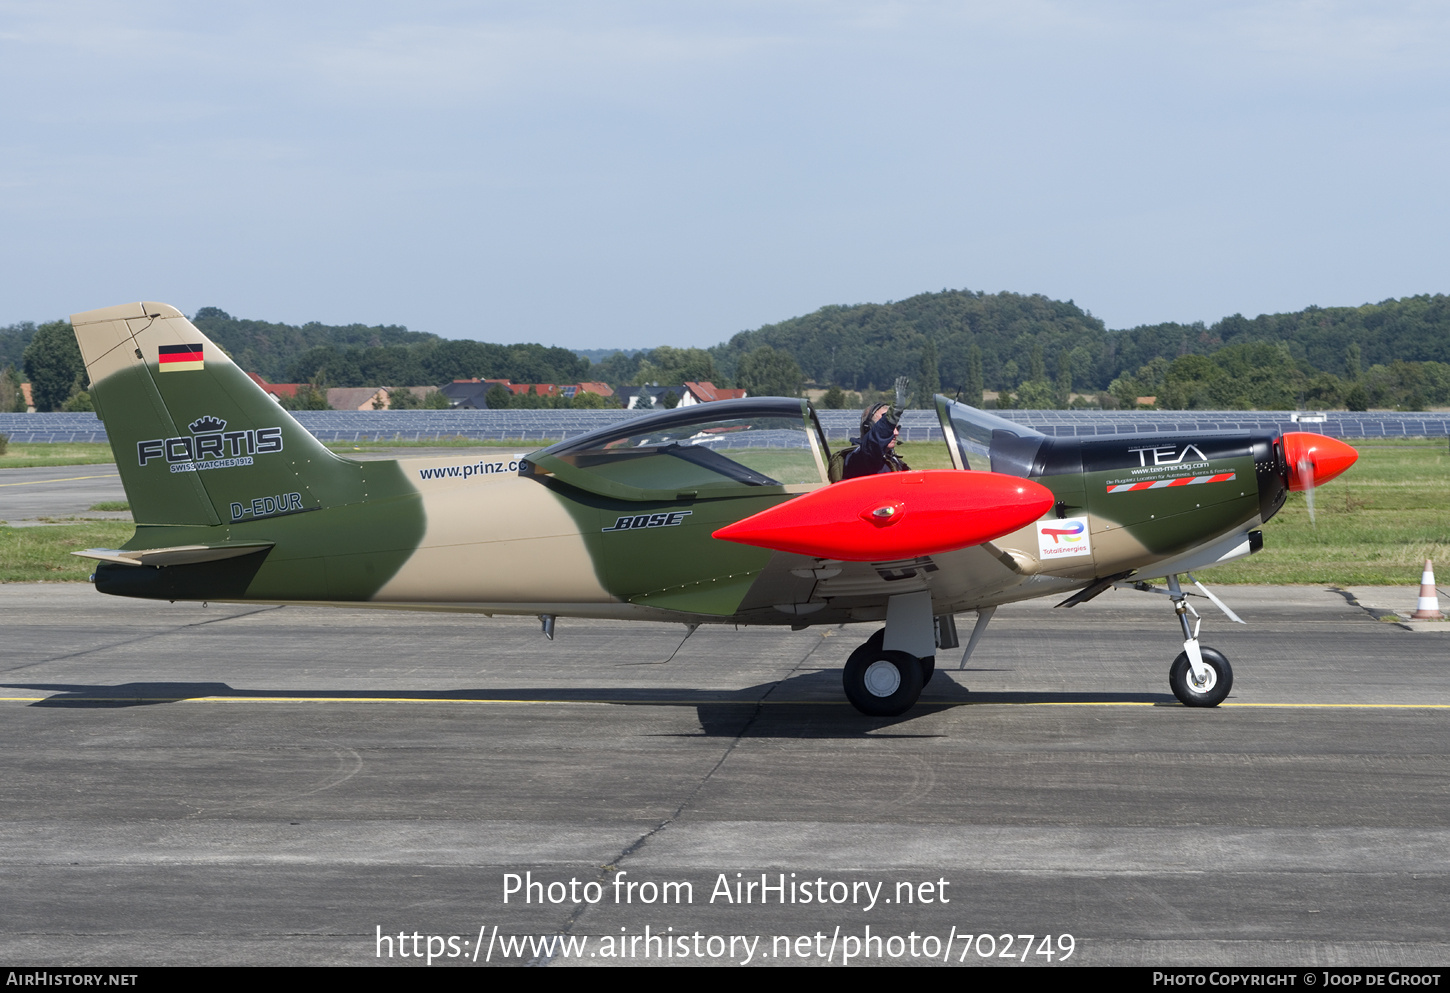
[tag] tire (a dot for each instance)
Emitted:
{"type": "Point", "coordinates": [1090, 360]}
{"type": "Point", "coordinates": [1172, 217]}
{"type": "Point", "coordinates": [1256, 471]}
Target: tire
{"type": "Point", "coordinates": [928, 664]}
{"type": "Point", "coordinates": [880, 683]}
{"type": "Point", "coordinates": [1220, 680]}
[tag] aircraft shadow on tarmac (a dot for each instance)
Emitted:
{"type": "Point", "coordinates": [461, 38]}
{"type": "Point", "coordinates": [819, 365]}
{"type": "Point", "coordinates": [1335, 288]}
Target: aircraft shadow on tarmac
{"type": "Point", "coordinates": [806, 705]}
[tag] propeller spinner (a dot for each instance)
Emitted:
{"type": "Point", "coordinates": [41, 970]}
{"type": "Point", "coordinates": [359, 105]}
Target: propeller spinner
{"type": "Point", "coordinates": [1313, 461]}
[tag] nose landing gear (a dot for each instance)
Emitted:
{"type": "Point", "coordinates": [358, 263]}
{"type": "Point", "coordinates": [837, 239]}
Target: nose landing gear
{"type": "Point", "coordinates": [1200, 676]}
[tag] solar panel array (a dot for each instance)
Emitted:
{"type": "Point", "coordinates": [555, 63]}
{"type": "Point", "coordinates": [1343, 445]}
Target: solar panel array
{"type": "Point", "coordinates": [917, 425]}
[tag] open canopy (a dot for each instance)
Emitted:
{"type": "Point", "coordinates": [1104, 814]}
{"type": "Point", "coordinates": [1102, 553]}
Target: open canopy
{"type": "Point", "coordinates": [702, 449]}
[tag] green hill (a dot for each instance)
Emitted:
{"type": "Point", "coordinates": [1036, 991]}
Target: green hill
{"type": "Point", "coordinates": [863, 344]}
{"type": "Point", "coordinates": [270, 350]}
{"type": "Point", "coordinates": [391, 355]}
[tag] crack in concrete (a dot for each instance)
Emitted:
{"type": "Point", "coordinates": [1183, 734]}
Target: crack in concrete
{"type": "Point", "coordinates": [140, 638]}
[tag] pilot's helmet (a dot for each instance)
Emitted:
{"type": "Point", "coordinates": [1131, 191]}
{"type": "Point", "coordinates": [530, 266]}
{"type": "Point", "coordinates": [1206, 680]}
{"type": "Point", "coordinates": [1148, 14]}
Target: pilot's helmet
{"type": "Point", "coordinates": [869, 415]}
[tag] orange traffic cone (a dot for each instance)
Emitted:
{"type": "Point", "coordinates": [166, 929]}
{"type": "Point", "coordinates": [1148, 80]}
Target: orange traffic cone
{"type": "Point", "coordinates": [1428, 608]}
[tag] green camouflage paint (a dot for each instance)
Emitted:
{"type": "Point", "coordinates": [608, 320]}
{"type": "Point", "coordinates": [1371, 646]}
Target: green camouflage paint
{"type": "Point", "coordinates": [341, 528]}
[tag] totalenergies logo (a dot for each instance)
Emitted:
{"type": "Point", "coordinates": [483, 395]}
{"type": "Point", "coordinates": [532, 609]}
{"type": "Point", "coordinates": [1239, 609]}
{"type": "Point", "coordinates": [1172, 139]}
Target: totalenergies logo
{"type": "Point", "coordinates": [1073, 532]}
{"type": "Point", "coordinates": [1064, 539]}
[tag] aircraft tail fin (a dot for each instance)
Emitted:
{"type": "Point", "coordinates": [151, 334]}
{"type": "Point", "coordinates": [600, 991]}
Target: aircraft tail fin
{"type": "Point", "coordinates": [196, 440]}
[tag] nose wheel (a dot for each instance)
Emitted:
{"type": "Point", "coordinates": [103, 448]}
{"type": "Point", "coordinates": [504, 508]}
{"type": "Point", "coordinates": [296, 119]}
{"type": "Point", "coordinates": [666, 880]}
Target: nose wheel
{"type": "Point", "coordinates": [1209, 687]}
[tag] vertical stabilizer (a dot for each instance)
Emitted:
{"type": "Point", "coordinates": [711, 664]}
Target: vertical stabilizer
{"type": "Point", "coordinates": [196, 441]}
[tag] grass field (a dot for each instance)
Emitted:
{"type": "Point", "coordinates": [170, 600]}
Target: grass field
{"type": "Point", "coordinates": [24, 455]}
{"type": "Point", "coordinates": [924, 454]}
{"type": "Point", "coordinates": [42, 554]}
{"type": "Point", "coordinates": [1376, 524]}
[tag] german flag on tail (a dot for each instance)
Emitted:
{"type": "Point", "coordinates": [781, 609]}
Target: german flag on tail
{"type": "Point", "coordinates": [180, 358]}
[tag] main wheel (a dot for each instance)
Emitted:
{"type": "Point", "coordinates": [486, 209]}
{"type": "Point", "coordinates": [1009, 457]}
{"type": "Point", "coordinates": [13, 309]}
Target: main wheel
{"type": "Point", "coordinates": [1209, 693]}
{"type": "Point", "coordinates": [880, 683]}
{"type": "Point", "coordinates": [928, 664]}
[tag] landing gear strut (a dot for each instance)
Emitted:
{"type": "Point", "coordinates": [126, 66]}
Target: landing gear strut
{"type": "Point", "coordinates": [1200, 676]}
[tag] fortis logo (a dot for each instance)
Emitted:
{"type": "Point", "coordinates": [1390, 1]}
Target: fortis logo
{"type": "Point", "coordinates": [210, 445]}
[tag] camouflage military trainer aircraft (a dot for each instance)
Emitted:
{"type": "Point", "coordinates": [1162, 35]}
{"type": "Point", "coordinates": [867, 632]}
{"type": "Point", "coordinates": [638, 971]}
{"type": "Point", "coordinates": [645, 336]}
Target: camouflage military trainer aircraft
{"type": "Point", "coordinates": [717, 513]}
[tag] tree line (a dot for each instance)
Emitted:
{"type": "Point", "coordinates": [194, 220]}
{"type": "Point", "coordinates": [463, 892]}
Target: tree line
{"type": "Point", "coordinates": [359, 355]}
{"type": "Point", "coordinates": [1029, 349]}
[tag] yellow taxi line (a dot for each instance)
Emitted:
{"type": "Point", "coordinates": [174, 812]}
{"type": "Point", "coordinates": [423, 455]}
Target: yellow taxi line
{"type": "Point", "coordinates": [67, 479]}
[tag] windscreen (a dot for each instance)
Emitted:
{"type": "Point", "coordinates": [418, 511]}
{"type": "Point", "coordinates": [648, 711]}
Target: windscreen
{"type": "Point", "coordinates": [985, 442]}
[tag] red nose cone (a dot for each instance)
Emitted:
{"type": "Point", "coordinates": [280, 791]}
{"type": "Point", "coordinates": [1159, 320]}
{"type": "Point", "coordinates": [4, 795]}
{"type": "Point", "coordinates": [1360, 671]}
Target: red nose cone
{"type": "Point", "coordinates": [1314, 459]}
{"type": "Point", "coordinates": [896, 515]}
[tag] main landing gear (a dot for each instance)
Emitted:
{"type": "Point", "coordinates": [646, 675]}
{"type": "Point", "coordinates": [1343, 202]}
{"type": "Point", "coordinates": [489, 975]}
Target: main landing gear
{"type": "Point", "coordinates": [880, 683]}
{"type": "Point", "coordinates": [883, 683]}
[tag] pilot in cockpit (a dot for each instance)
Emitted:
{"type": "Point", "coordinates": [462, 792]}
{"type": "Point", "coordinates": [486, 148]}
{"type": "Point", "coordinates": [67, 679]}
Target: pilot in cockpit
{"type": "Point", "coordinates": [875, 450]}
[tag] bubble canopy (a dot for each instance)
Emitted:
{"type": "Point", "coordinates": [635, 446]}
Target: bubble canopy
{"type": "Point", "coordinates": [720, 448]}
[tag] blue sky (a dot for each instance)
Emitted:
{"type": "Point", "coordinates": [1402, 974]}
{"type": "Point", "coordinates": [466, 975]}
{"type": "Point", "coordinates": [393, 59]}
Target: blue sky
{"type": "Point", "coordinates": [628, 174]}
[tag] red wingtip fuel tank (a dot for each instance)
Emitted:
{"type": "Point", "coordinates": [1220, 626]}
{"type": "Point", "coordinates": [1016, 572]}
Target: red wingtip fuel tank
{"type": "Point", "coordinates": [896, 515]}
{"type": "Point", "coordinates": [1323, 459]}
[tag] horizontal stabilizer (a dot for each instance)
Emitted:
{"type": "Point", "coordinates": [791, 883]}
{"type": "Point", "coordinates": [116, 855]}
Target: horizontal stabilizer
{"type": "Point", "coordinates": [896, 515]}
{"type": "Point", "coordinates": [178, 555]}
